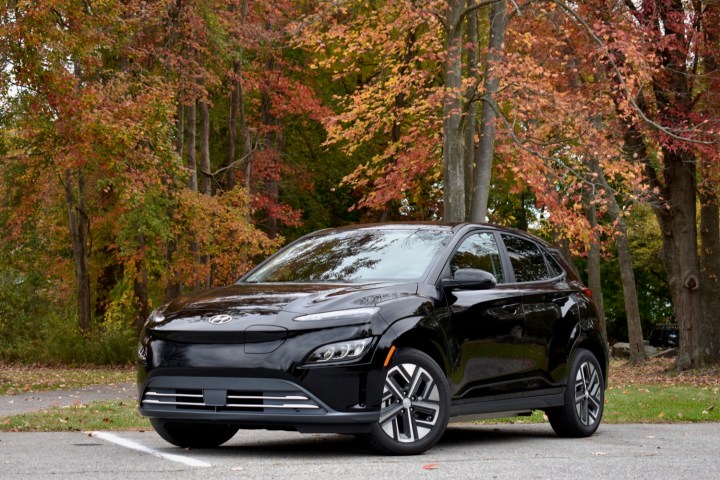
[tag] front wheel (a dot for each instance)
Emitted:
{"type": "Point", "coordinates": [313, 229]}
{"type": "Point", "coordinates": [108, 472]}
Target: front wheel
{"type": "Point", "coordinates": [584, 398]}
{"type": "Point", "coordinates": [193, 435]}
{"type": "Point", "coordinates": [415, 405]}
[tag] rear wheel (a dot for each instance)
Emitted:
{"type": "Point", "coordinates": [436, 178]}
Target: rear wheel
{"type": "Point", "coordinates": [415, 405]}
{"type": "Point", "coordinates": [193, 435]}
{"type": "Point", "coordinates": [584, 398]}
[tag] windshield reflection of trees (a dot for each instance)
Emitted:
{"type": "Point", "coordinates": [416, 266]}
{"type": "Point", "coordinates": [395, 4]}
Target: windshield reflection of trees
{"type": "Point", "coordinates": [347, 258]}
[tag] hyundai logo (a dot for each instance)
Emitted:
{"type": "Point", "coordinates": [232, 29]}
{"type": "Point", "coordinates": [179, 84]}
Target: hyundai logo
{"type": "Point", "coordinates": [219, 319]}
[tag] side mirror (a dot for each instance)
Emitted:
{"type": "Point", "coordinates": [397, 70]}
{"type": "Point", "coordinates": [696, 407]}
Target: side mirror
{"type": "Point", "coordinates": [470, 279]}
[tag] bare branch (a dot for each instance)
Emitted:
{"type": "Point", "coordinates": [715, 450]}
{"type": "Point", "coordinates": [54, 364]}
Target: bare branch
{"type": "Point", "coordinates": [550, 159]}
{"type": "Point", "coordinates": [239, 161]}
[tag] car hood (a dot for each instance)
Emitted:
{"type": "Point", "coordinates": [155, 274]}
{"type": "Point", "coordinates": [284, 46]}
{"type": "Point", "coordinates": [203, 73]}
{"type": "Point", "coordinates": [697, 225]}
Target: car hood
{"type": "Point", "coordinates": [268, 304]}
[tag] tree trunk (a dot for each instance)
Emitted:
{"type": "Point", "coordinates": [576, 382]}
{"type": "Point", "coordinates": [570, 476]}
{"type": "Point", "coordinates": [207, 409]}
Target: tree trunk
{"type": "Point", "coordinates": [79, 233]}
{"type": "Point", "coordinates": [486, 145]}
{"type": "Point", "coordinates": [140, 288]}
{"type": "Point", "coordinates": [205, 176]}
{"type": "Point", "coordinates": [233, 126]}
{"type": "Point", "coordinates": [191, 154]}
{"type": "Point", "coordinates": [193, 183]}
{"type": "Point", "coordinates": [677, 222]}
{"type": "Point", "coordinates": [678, 217]}
{"type": "Point", "coordinates": [453, 170]}
{"type": "Point", "coordinates": [473, 73]}
{"type": "Point", "coordinates": [708, 335]}
{"type": "Point", "coordinates": [272, 142]}
{"type": "Point", "coordinates": [593, 256]}
{"type": "Point", "coordinates": [632, 308]}
{"type": "Point", "coordinates": [676, 208]}
{"type": "Point", "coordinates": [205, 167]}
{"type": "Point", "coordinates": [180, 129]}
{"type": "Point", "coordinates": [173, 288]}
{"type": "Point", "coordinates": [247, 148]}
{"type": "Point", "coordinates": [627, 275]}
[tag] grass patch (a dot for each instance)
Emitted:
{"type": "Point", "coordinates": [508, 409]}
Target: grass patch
{"type": "Point", "coordinates": [661, 404]}
{"type": "Point", "coordinates": [113, 415]}
{"type": "Point", "coordinates": [17, 380]}
{"type": "Point", "coordinates": [644, 403]}
{"type": "Point", "coordinates": [653, 393]}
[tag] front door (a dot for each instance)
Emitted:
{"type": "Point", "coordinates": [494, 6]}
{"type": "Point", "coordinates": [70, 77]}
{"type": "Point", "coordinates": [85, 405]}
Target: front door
{"type": "Point", "coordinates": [488, 325]}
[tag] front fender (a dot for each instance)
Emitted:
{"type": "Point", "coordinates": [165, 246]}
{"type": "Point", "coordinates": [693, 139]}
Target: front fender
{"type": "Point", "coordinates": [425, 333]}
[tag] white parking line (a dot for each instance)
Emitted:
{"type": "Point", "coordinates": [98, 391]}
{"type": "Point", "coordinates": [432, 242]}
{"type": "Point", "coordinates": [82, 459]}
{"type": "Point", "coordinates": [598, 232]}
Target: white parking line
{"type": "Point", "coordinates": [123, 442]}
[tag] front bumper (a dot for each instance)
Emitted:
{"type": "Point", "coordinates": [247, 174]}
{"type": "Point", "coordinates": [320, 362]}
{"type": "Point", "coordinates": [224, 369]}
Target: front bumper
{"type": "Point", "coordinates": [267, 403]}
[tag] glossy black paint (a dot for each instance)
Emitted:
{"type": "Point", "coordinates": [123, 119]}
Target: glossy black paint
{"type": "Point", "coordinates": [504, 348]}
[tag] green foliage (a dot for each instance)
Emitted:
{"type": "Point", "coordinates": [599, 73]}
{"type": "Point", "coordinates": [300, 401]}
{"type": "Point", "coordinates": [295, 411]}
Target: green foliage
{"type": "Point", "coordinates": [54, 338]}
{"type": "Point", "coordinates": [36, 328]}
{"type": "Point", "coordinates": [20, 304]}
{"type": "Point", "coordinates": [315, 189]}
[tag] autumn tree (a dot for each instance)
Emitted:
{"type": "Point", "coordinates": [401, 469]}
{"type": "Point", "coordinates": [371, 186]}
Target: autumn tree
{"type": "Point", "coordinates": [668, 129]}
{"type": "Point", "coordinates": [410, 88]}
{"type": "Point", "coordinates": [80, 134]}
{"type": "Point", "coordinates": [387, 59]}
{"type": "Point", "coordinates": [552, 128]}
{"type": "Point", "coordinates": [89, 125]}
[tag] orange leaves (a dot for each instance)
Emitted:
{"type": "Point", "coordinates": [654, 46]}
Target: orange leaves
{"type": "Point", "coordinates": [219, 228]}
{"type": "Point", "coordinates": [393, 52]}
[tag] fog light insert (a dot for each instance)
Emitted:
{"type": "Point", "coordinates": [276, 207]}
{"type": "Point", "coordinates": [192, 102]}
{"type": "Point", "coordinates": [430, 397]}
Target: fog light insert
{"type": "Point", "coordinates": [334, 352]}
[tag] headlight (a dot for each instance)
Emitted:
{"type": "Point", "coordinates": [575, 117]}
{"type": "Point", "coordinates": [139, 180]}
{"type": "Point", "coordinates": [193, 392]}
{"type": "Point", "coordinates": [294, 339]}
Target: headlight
{"type": "Point", "coordinates": [340, 351]}
{"type": "Point", "coordinates": [351, 314]}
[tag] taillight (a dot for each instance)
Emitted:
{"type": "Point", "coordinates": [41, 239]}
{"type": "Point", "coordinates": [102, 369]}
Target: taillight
{"type": "Point", "coordinates": [587, 292]}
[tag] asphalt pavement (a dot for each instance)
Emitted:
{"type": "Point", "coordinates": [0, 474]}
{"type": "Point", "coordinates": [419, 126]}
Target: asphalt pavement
{"type": "Point", "coordinates": [656, 452]}
{"type": "Point", "coordinates": [467, 451]}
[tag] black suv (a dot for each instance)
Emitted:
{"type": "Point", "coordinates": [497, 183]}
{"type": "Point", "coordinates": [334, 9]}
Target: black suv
{"type": "Point", "coordinates": [382, 331]}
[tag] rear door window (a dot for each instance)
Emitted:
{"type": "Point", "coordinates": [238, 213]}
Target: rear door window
{"type": "Point", "coordinates": [526, 258]}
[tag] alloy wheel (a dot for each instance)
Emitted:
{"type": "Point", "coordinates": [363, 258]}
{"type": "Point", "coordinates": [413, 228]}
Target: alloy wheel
{"type": "Point", "coordinates": [588, 388]}
{"type": "Point", "coordinates": [410, 403]}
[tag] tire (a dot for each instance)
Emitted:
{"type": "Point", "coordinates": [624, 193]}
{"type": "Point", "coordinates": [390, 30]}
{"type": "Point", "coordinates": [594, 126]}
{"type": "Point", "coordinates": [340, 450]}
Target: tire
{"type": "Point", "coordinates": [193, 435]}
{"type": "Point", "coordinates": [584, 398]}
{"type": "Point", "coordinates": [415, 405]}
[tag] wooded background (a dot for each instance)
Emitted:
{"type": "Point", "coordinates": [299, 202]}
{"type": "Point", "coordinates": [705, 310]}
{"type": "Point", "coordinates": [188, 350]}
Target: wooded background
{"type": "Point", "coordinates": [152, 147]}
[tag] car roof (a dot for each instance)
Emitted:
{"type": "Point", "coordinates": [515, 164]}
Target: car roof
{"type": "Point", "coordinates": [453, 227]}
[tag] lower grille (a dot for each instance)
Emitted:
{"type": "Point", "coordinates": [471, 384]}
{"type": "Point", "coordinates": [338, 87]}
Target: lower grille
{"type": "Point", "coordinates": [218, 400]}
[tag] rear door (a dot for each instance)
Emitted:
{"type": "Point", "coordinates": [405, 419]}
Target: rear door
{"type": "Point", "coordinates": [550, 311]}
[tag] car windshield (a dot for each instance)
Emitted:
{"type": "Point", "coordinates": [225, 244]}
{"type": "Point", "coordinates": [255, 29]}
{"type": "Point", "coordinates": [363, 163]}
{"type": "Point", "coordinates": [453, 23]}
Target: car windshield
{"type": "Point", "coordinates": [355, 256]}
